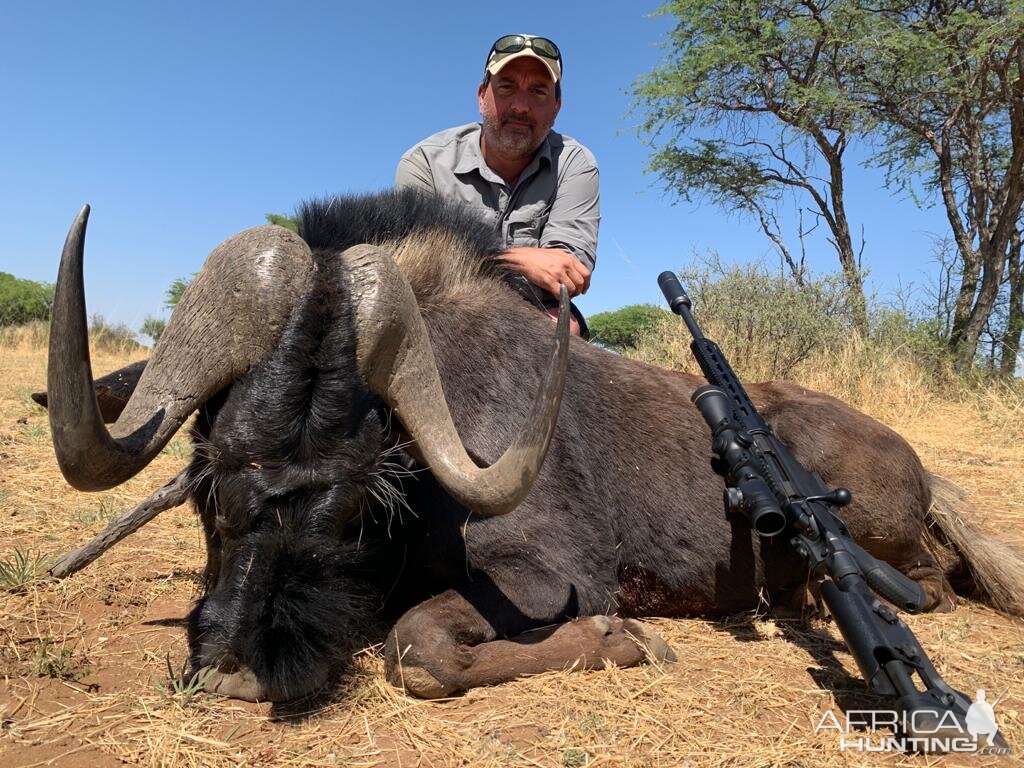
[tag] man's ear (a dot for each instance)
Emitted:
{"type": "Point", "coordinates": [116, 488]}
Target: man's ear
{"type": "Point", "coordinates": [480, 90]}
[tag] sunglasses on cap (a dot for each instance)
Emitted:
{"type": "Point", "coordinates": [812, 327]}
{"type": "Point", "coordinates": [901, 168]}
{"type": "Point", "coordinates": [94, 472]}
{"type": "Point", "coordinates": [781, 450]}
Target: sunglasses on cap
{"type": "Point", "coordinates": [516, 43]}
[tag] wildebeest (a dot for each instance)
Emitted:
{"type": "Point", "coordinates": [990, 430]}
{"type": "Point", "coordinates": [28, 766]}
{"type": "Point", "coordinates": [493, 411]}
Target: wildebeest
{"type": "Point", "coordinates": [332, 485]}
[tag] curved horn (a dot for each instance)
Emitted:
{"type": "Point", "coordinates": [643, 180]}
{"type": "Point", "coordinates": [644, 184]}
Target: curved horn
{"type": "Point", "coordinates": [226, 321]}
{"type": "Point", "coordinates": [395, 356]}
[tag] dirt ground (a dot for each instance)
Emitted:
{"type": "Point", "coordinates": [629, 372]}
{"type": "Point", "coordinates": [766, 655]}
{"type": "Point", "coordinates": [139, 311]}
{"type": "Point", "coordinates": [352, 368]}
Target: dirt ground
{"type": "Point", "coordinates": [86, 664]}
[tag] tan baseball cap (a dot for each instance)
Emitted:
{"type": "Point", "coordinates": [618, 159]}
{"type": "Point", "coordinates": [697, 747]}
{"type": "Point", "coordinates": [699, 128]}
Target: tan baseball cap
{"type": "Point", "coordinates": [511, 47]}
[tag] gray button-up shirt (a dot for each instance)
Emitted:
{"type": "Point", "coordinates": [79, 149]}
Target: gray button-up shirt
{"type": "Point", "coordinates": [554, 203]}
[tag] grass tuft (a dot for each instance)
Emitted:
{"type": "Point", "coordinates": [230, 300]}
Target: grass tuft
{"type": "Point", "coordinates": [104, 513]}
{"type": "Point", "coordinates": [56, 663]}
{"type": "Point", "coordinates": [22, 568]}
{"type": "Point", "coordinates": [181, 686]}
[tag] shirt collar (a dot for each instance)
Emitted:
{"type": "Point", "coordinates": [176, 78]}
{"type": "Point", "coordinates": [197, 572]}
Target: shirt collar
{"type": "Point", "coordinates": [471, 158]}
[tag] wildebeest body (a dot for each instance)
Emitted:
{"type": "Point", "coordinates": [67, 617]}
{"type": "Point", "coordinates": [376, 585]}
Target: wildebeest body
{"type": "Point", "coordinates": [299, 470]}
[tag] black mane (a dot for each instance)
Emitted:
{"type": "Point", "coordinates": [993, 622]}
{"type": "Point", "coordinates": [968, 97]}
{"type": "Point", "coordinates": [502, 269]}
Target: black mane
{"type": "Point", "coordinates": [336, 223]}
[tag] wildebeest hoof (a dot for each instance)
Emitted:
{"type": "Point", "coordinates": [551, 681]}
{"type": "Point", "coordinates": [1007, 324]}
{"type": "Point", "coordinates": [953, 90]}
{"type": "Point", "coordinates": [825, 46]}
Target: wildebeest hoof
{"type": "Point", "coordinates": [420, 683]}
{"type": "Point", "coordinates": [651, 642]}
{"type": "Point", "coordinates": [236, 685]}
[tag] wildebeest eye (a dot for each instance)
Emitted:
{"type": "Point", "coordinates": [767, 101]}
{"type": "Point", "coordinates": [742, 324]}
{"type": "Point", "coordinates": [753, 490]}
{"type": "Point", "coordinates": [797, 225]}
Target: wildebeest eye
{"type": "Point", "coordinates": [227, 524]}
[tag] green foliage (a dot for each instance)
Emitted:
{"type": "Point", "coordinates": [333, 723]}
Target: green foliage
{"type": "Point", "coordinates": [947, 72]}
{"type": "Point", "coordinates": [57, 663]}
{"type": "Point", "coordinates": [922, 338]}
{"type": "Point", "coordinates": [174, 291]}
{"type": "Point", "coordinates": [624, 327]}
{"type": "Point", "coordinates": [770, 80]}
{"type": "Point", "coordinates": [22, 568]}
{"type": "Point", "coordinates": [288, 222]}
{"type": "Point", "coordinates": [767, 322]}
{"type": "Point", "coordinates": [945, 82]}
{"type": "Point", "coordinates": [178, 447]}
{"type": "Point", "coordinates": [184, 687]}
{"type": "Point", "coordinates": [575, 758]}
{"type": "Point", "coordinates": [104, 513]}
{"type": "Point", "coordinates": [22, 301]}
{"type": "Point", "coordinates": [153, 327]}
{"type": "Point", "coordinates": [36, 431]}
{"type": "Point", "coordinates": [754, 101]}
{"type": "Point", "coordinates": [760, 314]}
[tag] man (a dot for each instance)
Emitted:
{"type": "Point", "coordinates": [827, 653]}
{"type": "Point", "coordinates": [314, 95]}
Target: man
{"type": "Point", "coordinates": [539, 187]}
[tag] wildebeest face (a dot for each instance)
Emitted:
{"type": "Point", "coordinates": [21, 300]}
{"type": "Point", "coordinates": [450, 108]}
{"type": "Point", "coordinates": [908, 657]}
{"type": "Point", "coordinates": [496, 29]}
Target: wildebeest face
{"type": "Point", "coordinates": [285, 600]}
{"type": "Point", "coordinates": [284, 591]}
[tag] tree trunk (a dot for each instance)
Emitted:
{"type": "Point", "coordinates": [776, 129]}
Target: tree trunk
{"type": "Point", "coordinates": [970, 273]}
{"type": "Point", "coordinates": [1015, 321]}
{"type": "Point", "coordinates": [840, 226]}
{"type": "Point", "coordinates": [993, 263]}
{"type": "Point", "coordinates": [855, 286]}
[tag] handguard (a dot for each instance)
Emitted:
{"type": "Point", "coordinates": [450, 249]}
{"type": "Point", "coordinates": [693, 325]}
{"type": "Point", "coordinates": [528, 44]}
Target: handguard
{"type": "Point", "coordinates": [778, 496]}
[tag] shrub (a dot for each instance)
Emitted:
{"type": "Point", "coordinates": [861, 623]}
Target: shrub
{"type": "Point", "coordinates": [22, 568]}
{"type": "Point", "coordinates": [22, 301]}
{"type": "Point", "coordinates": [625, 327]}
{"type": "Point", "coordinates": [153, 327]}
{"type": "Point", "coordinates": [765, 321]}
{"type": "Point", "coordinates": [111, 337]}
{"type": "Point", "coordinates": [281, 220]}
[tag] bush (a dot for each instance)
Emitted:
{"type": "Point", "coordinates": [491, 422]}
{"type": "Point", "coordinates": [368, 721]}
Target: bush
{"type": "Point", "coordinates": [769, 327]}
{"type": "Point", "coordinates": [624, 327]}
{"type": "Point", "coordinates": [766, 323]}
{"type": "Point", "coordinates": [22, 301]}
{"type": "Point", "coordinates": [288, 222]}
{"type": "Point", "coordinates": [920, 338]}
{"type": "Point", "coordinates": [110, 337]}
{"type": "Point", "coordinates": [153, 327]}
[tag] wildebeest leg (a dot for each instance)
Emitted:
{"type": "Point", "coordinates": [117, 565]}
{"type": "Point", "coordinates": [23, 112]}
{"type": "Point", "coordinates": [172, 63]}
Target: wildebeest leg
{"type": "Point", "coordinates": [444, 645]}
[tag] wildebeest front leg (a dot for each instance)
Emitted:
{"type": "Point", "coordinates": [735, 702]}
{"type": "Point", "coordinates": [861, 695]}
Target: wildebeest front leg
{"type": "Point", "coordinates": [444, 645]}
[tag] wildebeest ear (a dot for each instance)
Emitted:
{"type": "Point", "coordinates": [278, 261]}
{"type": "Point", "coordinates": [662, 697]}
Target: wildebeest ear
{"type": "Point", "coordinates": [112, 390]}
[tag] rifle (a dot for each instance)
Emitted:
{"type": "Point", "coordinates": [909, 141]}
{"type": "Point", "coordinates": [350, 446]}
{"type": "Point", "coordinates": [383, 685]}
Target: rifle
{"type": "Point", "coordinates": [777, 495]}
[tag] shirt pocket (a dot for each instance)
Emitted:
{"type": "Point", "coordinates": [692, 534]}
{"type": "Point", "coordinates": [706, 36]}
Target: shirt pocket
{"type": "Point", "coordinates": [525, 226]}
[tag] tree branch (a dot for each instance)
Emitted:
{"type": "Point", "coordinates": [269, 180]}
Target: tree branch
{"type": "Point", "coordinates": [172, 494]}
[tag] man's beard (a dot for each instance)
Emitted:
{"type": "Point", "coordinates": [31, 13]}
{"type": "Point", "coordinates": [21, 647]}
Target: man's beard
{"type": "Point", "coordinates": [510, 141]}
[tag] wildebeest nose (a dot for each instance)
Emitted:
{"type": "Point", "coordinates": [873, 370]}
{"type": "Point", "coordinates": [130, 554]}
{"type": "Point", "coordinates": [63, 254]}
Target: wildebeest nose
{"type": "Point", "coordinates": [236, 685]}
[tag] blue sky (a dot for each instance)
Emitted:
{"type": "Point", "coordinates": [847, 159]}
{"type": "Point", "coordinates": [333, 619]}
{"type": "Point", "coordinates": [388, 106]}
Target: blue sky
{"type": "Point", "coordinates": [183, 123]}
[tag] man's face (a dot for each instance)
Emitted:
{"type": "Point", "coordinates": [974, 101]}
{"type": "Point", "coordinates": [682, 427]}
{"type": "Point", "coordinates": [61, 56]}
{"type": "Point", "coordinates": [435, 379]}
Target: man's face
{"type": "Point", "coordinates": [518, 107]}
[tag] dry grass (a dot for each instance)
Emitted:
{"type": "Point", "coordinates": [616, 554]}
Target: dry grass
{"type": "Point", "coordinates": [84, 661]}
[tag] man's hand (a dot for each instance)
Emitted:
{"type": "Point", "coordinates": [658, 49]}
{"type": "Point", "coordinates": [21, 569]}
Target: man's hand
{"type": "Point", "coordinates": [548, 267]}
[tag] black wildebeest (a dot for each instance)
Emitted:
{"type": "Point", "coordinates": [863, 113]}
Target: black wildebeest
{"type": "Point", "coordinates": [311, 363]}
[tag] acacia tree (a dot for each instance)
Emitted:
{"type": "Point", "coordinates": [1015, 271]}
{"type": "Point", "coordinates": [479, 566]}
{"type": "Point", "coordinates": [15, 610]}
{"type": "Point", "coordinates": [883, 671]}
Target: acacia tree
{"type": "Point", "coordinates": [769, 83]}
{"type": "Point", "coordinates": [944, 79]}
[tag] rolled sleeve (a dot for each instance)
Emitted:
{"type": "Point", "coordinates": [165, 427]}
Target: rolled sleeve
{"type": "Point", "coordinates": [576, 212]}
{"type": "Point", "coordinates": [413, 172]}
